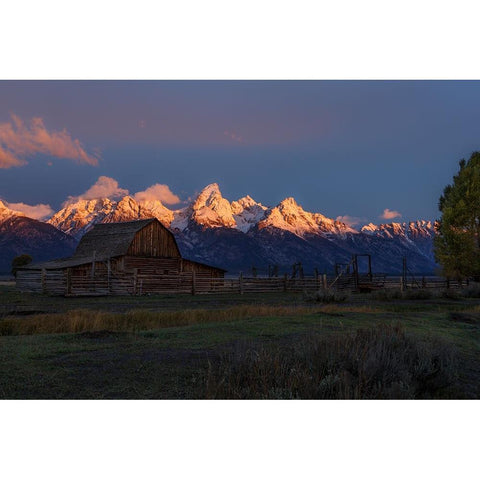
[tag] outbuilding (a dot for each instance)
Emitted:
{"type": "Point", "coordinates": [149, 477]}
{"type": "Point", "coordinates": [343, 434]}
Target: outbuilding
{"type": "Point", "coordinates": [136, 257]}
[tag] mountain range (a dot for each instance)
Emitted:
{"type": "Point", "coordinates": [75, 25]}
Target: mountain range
{"type": "Point", "coordinates": [233, 235]}
{"type": "Point", "coordinates": [20, 234]}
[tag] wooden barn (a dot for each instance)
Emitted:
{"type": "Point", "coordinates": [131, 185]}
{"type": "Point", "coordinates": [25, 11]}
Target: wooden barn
{"type": "Point", "coordinates": [133, 258]}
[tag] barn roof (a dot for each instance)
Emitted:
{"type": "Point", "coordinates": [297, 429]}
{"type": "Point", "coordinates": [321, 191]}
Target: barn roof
{"type": "Point", "coordinates": [107, 240]}
{"type": "Point", "coordinates": [111, 239]}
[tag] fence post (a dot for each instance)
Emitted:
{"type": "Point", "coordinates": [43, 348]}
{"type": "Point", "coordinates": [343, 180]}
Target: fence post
{"type": "Point", "coordinates": [402, 285]}
{"type": "Point", "coordinates": [44, 281]}
{"type": "Point", "coordinates": [109, 274]}
{"type": "Point", "coordinates": [193, 283]}
{"type": "Point", "coordinates": [69, 281]}
{"type": "Point", "coordinates": [285, 282]}
{"type": "Point", "coordinates": [240, 283]}
{"type": "Point", "coordinates": [325, 284]}
{"type": "Point", "coordinates": [135, 278]}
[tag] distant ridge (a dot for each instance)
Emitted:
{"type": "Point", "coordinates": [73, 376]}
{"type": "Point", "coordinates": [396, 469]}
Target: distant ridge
{"type": "Point", "coordinates": [244, 233]}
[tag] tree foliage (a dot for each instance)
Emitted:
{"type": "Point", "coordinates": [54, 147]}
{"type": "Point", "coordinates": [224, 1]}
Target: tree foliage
{"type": "Point", "coordinates": [457, 245]}
{"type": "Point", "coordinates": [20, 261]}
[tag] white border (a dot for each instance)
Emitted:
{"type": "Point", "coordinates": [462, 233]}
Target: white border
{"type": "Point", "coordinates": [248, 39]}
{"type": "Point", "coordinates": [239, 40]}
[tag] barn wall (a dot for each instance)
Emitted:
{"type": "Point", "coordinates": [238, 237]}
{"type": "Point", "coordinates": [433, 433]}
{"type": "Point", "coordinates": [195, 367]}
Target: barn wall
{"type": "Point", "coordinates": [154, 240]}
{"type": "Point", "coordinates": [121, 276]}
{"type": "Point", "coordinates": [153, 266]}
{"type": "Point", "coordinates": [50, 282]}
{"type": "Point", "coordinates": [199, 269]}
{"type": "Point", "coordinates": [29, 281]}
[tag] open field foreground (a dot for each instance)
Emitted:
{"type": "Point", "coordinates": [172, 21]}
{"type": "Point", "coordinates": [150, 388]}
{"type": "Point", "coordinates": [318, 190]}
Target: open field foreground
{"type": "Point", "coordinates": [231, 346]}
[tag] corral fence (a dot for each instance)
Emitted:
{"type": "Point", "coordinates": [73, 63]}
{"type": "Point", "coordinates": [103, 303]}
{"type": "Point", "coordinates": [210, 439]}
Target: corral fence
{"type": "Point", "coordinates": [62, 282]}
{"type": "Point", "coordinates": [243, 284]}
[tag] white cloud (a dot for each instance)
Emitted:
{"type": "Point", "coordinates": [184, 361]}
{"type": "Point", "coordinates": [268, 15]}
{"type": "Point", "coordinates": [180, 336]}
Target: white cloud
{"type": "Point", "coordinates": [104, 187]}
{"type": "Point", "coordinates": [390, 214]}
{"type": "Point", "coordinates": [349, 220]}
{"type": "Point", "coordinates": [40, 211]}
{"type": "Point", "coordinates": [157, 192]}
{"type": "Point", "coordinates": [19, 141]}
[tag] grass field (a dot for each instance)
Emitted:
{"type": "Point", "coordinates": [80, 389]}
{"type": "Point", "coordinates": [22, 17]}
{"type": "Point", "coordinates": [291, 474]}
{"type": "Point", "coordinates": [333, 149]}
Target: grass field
{"type": "Point", "coordinates": [232, 346]}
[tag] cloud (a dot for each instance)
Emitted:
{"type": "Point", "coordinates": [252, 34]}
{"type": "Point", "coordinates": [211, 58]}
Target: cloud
{"type": "Point", "coordinates": [19, 141]}
{"type": "Point", "coordinates": [40, 211]}
{"type": "Point", "coordinates": [350, 221]}
{"type": "Point", "coordinates": [390, 214]}
{"type": "Point", "coordinates": [233, 136]}
{"type": "Point", "coordinates": [157, 192]}
{"type": "Point", "coordinates": [104, 187]}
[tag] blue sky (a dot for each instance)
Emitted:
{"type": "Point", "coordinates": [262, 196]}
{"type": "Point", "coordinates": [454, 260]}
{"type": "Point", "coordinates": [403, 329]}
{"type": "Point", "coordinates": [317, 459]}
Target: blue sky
{"type": "Point", "coordinates": [340, 148]}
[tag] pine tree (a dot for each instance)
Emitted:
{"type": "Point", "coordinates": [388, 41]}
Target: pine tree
{"type": "Point", "coordinates": [457, 245]}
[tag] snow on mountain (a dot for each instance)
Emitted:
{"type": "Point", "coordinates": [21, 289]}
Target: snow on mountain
{"type": "Point", "coordinates": [164, 214]}
{"type": "Point", "coordinates": [210, 209]}
{"type": "Point", "coordinates": [78, 217]}
{"type": "Point", "coordinates": [241, 233]}
{"type": "Point", "coordinates": [290, 216]}
{"type": "Point", "coordinates": [247, 213]}
{"type": "Point", "coordinates": [416, 235]}
{"type": "Point", "coordinates": [6, 212]}
{"type": "Point", "coordinates": [410, 230]}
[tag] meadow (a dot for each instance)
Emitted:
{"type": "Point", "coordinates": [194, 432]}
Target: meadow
{"type": "Point", "coordinates": [384, 345]}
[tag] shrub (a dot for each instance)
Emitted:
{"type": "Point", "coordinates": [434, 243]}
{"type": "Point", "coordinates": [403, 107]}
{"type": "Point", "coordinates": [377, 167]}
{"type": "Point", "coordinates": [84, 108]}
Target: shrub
{"type": "Point", "coordinates": [383, 362]}
{"type": "Point", "coordinates": [417, 294]}
{"type": "Point", "coordinates": [450, 294]}
{"type": "Point", "coordinates": [472, 291]}
{"type": "Point", "coordinates": [326, 296]}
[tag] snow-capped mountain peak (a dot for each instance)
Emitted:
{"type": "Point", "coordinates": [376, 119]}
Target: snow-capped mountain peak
{"type": "Point", "coordinates": [210, 209]}
{"type": "Point", "coordinates": [247, 212]}
{"type": "Point", "coordinates": [78, 217]}
{"type": "Point", "coordinates": [159, 210]}
{"type": "Point", "coordinates": [408, 230]}
{"type": "Point", "coordinates": [289, 215]}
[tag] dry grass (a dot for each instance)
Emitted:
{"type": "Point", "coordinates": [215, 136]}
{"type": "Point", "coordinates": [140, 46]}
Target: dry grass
{"type": "Point", "coordinates": [383, 362]}
{"type": "Point", "coordinates": [352, 309]}
{"type": "Point", "coordinates": [78, 321]}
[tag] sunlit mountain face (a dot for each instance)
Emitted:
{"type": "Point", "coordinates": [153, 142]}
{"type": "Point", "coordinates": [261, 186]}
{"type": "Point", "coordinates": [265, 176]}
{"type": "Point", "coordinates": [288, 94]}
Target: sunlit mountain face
{"type": "Point", "coordinates": [236, 235]}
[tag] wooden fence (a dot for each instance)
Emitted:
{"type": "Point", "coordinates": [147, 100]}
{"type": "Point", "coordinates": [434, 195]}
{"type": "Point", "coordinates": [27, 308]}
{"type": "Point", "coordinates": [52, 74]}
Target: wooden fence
{"type": "Point", "coordinates": [63, 282]}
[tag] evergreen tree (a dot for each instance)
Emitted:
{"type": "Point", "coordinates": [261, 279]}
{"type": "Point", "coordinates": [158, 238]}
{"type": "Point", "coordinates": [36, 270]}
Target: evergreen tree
{"type": "Point", "coordinates": [20, 261]}
{"type": "Point", "coordinates": [457, 245]}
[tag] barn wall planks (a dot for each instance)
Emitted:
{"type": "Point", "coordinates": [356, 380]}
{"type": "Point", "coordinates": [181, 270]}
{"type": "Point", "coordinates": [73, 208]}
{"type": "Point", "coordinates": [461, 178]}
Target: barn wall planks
{"type": "Point", "coordinates": [154, 240]}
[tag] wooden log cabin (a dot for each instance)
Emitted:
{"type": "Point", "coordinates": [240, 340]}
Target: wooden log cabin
{"type": "Point", "coordinates": [127, 258]}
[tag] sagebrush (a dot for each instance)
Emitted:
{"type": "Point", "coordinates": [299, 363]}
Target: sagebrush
{"type": "Point", "coordinates": [378, 363]}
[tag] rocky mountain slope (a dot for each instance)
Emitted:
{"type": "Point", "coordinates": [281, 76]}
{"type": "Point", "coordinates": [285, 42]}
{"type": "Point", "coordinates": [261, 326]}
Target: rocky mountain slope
{"type": "Point", "coordinates": [237, 235]}
{"type": "Point", "coordinates": [20, 234]}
